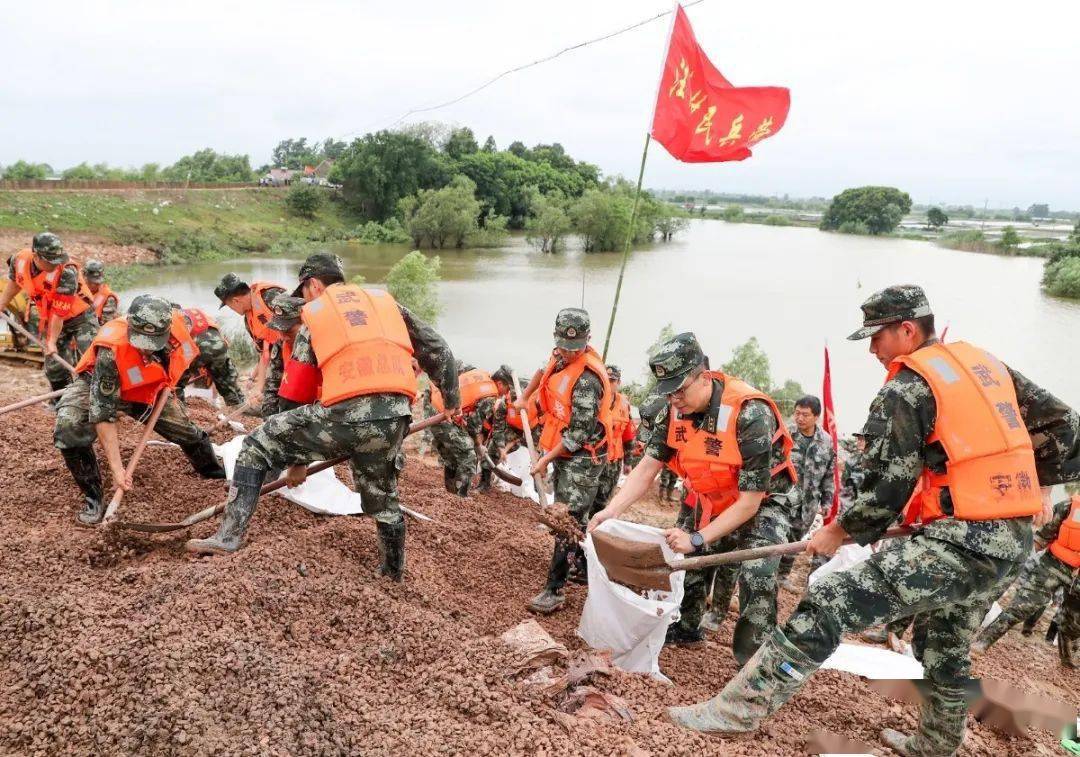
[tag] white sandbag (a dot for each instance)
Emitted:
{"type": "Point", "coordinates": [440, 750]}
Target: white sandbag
{"type": "Point", "coordinates": [845, 557]}
{"type": "Point", "coordinates": [877, 663]}
{"type": "Point", "coordinates": [615, 618]}
{"type": "Point", "coordinates": [518, 463]}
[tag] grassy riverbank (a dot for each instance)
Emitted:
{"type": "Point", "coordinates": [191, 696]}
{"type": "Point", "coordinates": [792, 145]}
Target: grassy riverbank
{"type": "Point", "coordinates": [177, 225]}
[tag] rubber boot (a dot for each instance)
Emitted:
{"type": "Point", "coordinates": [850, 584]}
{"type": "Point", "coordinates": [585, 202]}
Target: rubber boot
{"type": "Point", "coordinates": [1052, 631]}
{"type": "Point", "coordinates": [203, 459]}
{"type": "Point", "coordinates": [243, 498]}
{"type": "Point", "coordinates": [462, 490]}
{"type": "Point", "coordinates": [761, 687]}
{"type": "Point", "coordinates": [448, 480]}
{"type": "Point", "coordinates": [1031, 621]}
{"type": "Point", "coordinates": [896, 741]}
{"type": "Point", "coordinates": [391, 549]}
{"type": "Point", "coordinates": [547, 601]}
{"type": "Point", "coordinates": [1065, 647]}
{"type": "Point", "coordinates": [83, 465]}
{"type": "Point", "coordinates": [485, 480]}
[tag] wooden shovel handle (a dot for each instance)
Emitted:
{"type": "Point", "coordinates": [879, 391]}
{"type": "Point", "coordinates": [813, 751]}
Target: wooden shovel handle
{"type": "Point", "coordinates": [538, 480]}
{"type": "Point", "coordinates": [743, 555]}
{"type": "Point", "coordinates": [30, 401]}
{"type": "Point", "coordinates": [148, 429]}
{"type": "Point", "coordinates": [14, 323]}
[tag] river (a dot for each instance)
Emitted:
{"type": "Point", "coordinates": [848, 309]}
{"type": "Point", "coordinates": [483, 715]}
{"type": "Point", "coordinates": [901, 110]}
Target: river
{"type": "Point", "coordinates": [793, 288]}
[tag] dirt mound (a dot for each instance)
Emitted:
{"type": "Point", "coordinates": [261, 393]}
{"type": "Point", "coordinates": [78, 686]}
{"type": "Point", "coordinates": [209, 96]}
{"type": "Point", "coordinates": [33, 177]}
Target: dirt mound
{"type": "Point", "coordinates": [81, 247]}
{"type": "Point", "coordinates": [294, 645]}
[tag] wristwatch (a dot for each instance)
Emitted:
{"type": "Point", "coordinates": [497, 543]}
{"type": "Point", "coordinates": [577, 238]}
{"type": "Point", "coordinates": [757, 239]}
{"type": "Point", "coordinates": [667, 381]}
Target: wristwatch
{"type": "Point", "coordinates": [697, 541]}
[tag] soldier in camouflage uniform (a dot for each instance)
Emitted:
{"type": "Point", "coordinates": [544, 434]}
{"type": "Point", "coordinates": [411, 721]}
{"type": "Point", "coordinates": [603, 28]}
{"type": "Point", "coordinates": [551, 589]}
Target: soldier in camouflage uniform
{"type": "Point", "coordinates": [506, 438]}
{"type": "Point", "coordinates": [950, 572]}
{"type": "Point", "coordinates": [286, 320]}
{"type": "Point", "coordinates": [456, 441]}
{"type": "Point", "coordinates": [94, 271]}
{"type": "Point", "coordinates": [1068, 625]}
{"type": "Point", "coordinates": [214, 360]}
{"type": "Point", "coordinates": [72, 336]}
{"type": "Point", "coordinates": [609, 479]}
{"type": "Point", "coordinates": [247, 300]}
{"type": "Point", "coordinates": [88, 408]}
{"type": "Point", "coordinates": [1038, 582]}
{"type": "Point", "coordinates": [668, 484]}
{"type": "Point", "coordinates": [815, 462]}
{"type": "Point", "coordinates": [766, 496]}
{"type": "Point", "coordinates": [580, 456]}
{"type": "Point", "coordinates": [492, 410]}
{"type": "Point", "coordinates": [370, 427]}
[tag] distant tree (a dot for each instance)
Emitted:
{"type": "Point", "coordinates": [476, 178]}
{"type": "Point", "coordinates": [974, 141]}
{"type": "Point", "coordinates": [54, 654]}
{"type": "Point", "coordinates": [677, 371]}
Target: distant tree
{"type": "Point", "coordinates": [489, 145]}
{"type": "Point", "coordinates": [378, 170]}
{"type": "Point", "coordinates": [331, 148]}
{"type": "Point", "coordinates": [936, 218]}
{"type": "Point", "coordinates": [150, 172]}
{"type": "Point", "coordinates": [295, 154]}
{"type": "Point", "coordinates": [1009, 238]}
{"type": "Point", "coordinates": [83, 171]}
{"type": "Point", "coordinates": [880, 208]}
{"type": "Point", "coordinates": [1039, 210]}
{"type": "Point", "coordinates": [461, 142]}
{"type": "Point", "coordinates": [442, 217]}
{"type": "Point", "coordinates": [732, 214]}
{"type": "Point", "coordinates": [20, 170]}
{"type": "Point", "coordinates": [432, 132]}
{"type": "Point", "coordinates": [413, 282]}
{"type": "Point", "coordinates": [548, 224]}
{"type": "Point", "coordinates": [749, 363]}
{"type": "Point", "coordinates": [304, 200]}
{"type": "Point", "coordinates": [670, 221]}
{"type": "Point", "coordinates": [1074, 237]}
{"type": "Point", "coordinates": [517, 148]}
{"type": "Point", "coordinates": [209, 166]}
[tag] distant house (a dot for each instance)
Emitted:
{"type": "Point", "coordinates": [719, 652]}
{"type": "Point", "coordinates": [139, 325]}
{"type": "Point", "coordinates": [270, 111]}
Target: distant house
{"type": "Point", "coordinates": [322, 170]}
{"type": "Point", "coordinates": [279, 177]}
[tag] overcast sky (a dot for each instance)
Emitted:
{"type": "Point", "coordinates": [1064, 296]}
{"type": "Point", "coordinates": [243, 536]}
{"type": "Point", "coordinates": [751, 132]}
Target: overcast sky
{"type": "Point", "coordinates": [953, 102]}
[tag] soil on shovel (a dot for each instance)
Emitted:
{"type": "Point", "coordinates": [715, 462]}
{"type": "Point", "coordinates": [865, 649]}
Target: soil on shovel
{"type": "Point", "coordinates": [124, 643]}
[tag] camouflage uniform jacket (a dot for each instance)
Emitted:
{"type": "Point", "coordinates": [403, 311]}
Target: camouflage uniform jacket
{"type": "Point", "coordinates": [429, 349]}
{"type": "Point", "coordinates": [754, 430]}
{"type": "Point", "coordinates": [851, 480]}
{"type": "Point", "coordinates": [902, 417]}
{"type": "Point", "coordinates": [815, 463]}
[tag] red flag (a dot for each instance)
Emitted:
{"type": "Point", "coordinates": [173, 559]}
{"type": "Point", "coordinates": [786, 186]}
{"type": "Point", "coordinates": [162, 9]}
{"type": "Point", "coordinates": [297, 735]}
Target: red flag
{"type": "Point", "coordinates": [829, 422]}
{"type": "Point", "coordinates": [700, 117]}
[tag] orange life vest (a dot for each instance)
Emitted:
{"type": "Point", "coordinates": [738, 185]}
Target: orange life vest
{"type": "Point", "coordinates": [710, 463]}
{"type": "Point", "coordinates": [300, 382]}
{"type": "Point", "coordinates": [620, 423]}
{"type": "Point", "coordinates": [1066, 547]}
{"type": "Point", "coordinates": [556, 399]}
{"type": "Point", "coordinates": [361, 343]}
{"type": "Point", "coordinates": [532, 413]}
{"type": "Point", "coordinates": [260, 315]}
{"type": "Point", "coordinates": [474, 385]}
{"type": "Point", "coordinates": [990, 471]}
{"type": "Point", "coordinates": [101, 299]}
{"type": "Point", "coordinates": [200, 321]}
{"type": "Point", "coordinates": [141, 378]}
{"type": "Point", "coordinates": [41, 289]}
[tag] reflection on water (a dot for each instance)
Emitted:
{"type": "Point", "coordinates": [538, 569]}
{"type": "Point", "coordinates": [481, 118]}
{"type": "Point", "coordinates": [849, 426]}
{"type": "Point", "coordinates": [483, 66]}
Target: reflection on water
{"type": "Point", "coordinates": [793, 288]}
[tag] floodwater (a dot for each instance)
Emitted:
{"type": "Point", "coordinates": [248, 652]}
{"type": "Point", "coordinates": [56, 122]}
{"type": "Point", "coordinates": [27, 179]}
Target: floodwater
{"type": "Point", "coordinates": [793, 288]}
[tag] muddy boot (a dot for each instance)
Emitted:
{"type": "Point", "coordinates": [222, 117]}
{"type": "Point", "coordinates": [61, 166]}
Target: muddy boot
{"type": "Point", "coordinates": [761, 687]}
{"type": "Point", "coordinates": [1052, 631]}
{"type": "Point", "coordinates": [896, 741]}
{"type": "Point", "coordinates": [203, 460]}
{"type": "Point", "coordinates": [448, 481]}
{"type": "Point", "coordinates": [83, 465]}
{"type": "Point", "coordinates": [243, 498]}
{"type": "Point", "coordinates": [710, 621]}
{"type": "Point", "coordinates": [462, 489]}
{"type": "Point", "coordinates": [579, 567]}
{"type": "Point", "coordinates": [1030, 622]}
{"type": "Point", "coordinates": [679, 636]}
{"type": "Point", "coordinates": [391, 549]}
{"type": "Point", "coordinates": [485, 481]}
{"type": "Point", "coordinates": [1066, 647]}
{"type": "Point", "coordinates": [547, 601]}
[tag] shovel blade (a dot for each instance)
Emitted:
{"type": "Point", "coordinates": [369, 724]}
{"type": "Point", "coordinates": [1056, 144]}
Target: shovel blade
{"type": "Point", "coordinates": [632, 563]}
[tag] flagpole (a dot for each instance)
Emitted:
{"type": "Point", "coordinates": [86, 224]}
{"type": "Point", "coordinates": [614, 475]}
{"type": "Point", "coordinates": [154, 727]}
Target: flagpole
{"type": "Point", "coordinates": [626, 247]}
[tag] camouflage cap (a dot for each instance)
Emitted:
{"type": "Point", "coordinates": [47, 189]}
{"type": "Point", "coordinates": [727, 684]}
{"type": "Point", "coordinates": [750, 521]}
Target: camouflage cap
{"type": "Point", "coordinates": [572, 329]}
{"type": "Point", "coordinates": [94, 271]}
{"type": "Point", "coordinates": [286, 313]}
{"type": "Point", "coordinates": [49, 247]}
{"type": "Point", "coordinates": [903, 302]}
{"type": "Point", "coordinates": [614, 373]}
{"type": "Point", "coordinates": [674, 361]}
{"type": "Point", "coordinates": [651, 407]}
{"type": "Point", "coordinates": [148, 320]}
{"type": "Point", "coordinates": [504, 375]}
{"type": "Point", "coordinates": [230, 284]}
{"type": "Point", "coordinates": [319, 264]}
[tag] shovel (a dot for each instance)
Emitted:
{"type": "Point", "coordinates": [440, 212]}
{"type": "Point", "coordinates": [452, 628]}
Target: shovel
{"type": "Point", "coordinates": [538, 480]}
{"type": "Point", "coordinates": [14, 323]}
{"type": "Point", "coordinates": [643, 566]}
{"type": "Point", "coordinates": [30, 401]}
{"type": "Point", "coordinates": [213, 510]}
{"type": "Point", "coordinates": [159, 405]}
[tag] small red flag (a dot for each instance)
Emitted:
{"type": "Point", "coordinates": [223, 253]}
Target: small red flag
{"type": "Point", "coordinates": [700, 117]}
{"type": "Point", "coordinates": [829, 422]}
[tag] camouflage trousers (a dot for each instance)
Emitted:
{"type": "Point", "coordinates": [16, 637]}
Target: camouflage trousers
{"type": "Point", "coordinates": [949, 588]}
{"type": "Point", "coordinates": [609, 482]}
{"type": "Point", "coordinates": [314, 432]}
{"type": "Point", "coordinates": [756, 579]}
{"type": "Point", "coordinates": [668, 479]}
{"type": "Point", "coordinates": [1068, 617]}
{"type": "Point", "coordinates": [1035, 588]}
{"type": "Point", "coordinates": [458, 455]}
{"type": "Point", "coordinates": [578, 486]}
{"type": "Point", "coordinates": [75, 338]}
{"type": "Point", "coordinates": [800, 527]}
{"type": "Point", "coordinates": [73, 428]}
